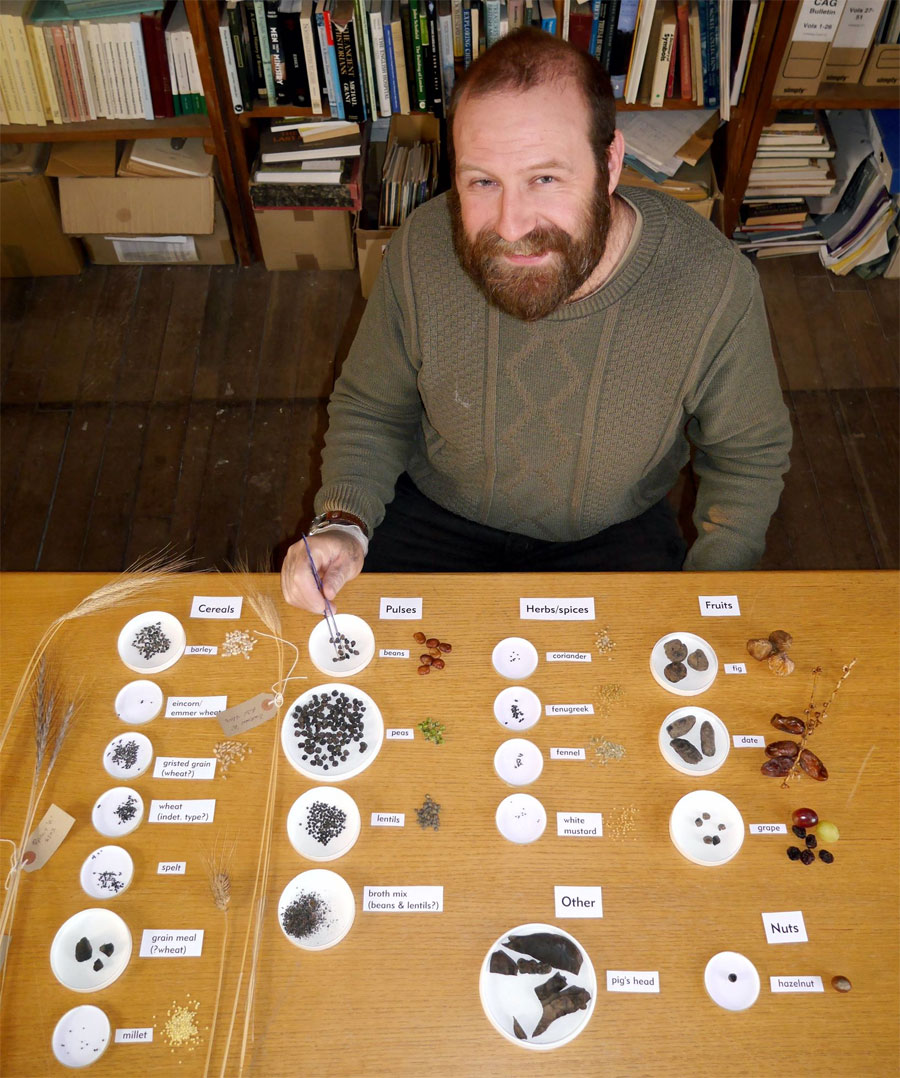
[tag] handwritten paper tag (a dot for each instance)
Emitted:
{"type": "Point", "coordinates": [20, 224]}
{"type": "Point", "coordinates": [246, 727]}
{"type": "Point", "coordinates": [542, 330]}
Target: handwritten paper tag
{"type": "Point", "coordinates": [172, 943]}
{"type": "Point", "coordinates": [394, 609]}
{"type": "Point", "coordinates": [388, 819]}
{"type": "Point", "coordinates": [134, 1036]}
{"type": "Point", "coordinates": [195, 707]}
{"type": "Point", "coordinates": [581, 824]}
{"type": "Point", "coordinates": [197, 811]}
{"type": "Point", "coordinates": [578, 901]}
{"type": "Point", "coordinates": [403, 899]}
{"type": "Point", "coordinates": [632, 980]}
{"type": "Point", "coordinates": [719, 606]}
{"type": "Point", "coordinates": [581, 609]}
{"type": "Point", "coordinates": [243, 717]}
{"type": "Point", "coordinates": [785, 927]}
{"type": "Point", "coordinates": [809, 983]}
{"type": "Point", "coordinates": [46, 838]}
{"type": "Point", "coordinates": [748, 741]}
{"type": "Point", "coordinates": [567, 754]}
{"type": "Point", "coordinates": [184, 767]}
{"type": "Point", "coordinates": [221, 607]}
{"type": "Point", "coordinates": [768, 829]}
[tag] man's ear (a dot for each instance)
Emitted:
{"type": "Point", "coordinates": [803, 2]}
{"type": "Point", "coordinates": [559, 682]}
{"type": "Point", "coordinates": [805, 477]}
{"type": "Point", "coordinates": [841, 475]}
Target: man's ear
{"type": "Point", "coordinates": [615, 157]}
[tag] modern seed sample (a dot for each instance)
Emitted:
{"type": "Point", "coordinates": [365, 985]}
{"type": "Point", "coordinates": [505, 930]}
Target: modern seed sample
{"type": "Point", "coordinates": [675, 672]}
{"type": "Point", "coordinates": [326, 726]}
{"type": "Point", "coordinates": [324, 821]}
{"type": "Point", "coordinates": [707, 738]}
{"type": "Point", "coordinates": [697, 660]}
{"type": "Point", "coordinates": [676, 650]}
{"type": "Point", "coordinates": [681, 726]}
{"type": "Point", "coordinates": [688, 752]}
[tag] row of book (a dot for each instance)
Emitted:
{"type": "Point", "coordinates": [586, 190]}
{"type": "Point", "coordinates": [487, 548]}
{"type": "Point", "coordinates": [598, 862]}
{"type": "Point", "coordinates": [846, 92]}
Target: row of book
{"type": "Point", "coordinates": [57, 65]}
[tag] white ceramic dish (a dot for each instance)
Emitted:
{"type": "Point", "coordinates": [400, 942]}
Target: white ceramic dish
{"type": "Point", "coordinates": [151, 662]}
{"type": "Point", "coordinates": [139, 702]}
{"type": "Point", "coordinates": [128, 755]}
{"type": "Point", "coordinates": [357, 760]}
{"type": "Point", "coordinates": [701, 815]}
{"type": "Point", "coordinates": [695, 681]}
{"type": "Point", "coordinates": [506, 997]}
{"type": "Point", "coordinates": [334, 893]}
{"type": "Point", "coordinates": [521, 818]}
{"type": "Point", "coordinates": [515, 658]}
{"type": "Point", "coordinates": [706, 764]}
{"type": "Point", "coordinates": [731, 980]}
{"type": "Point", "coordinates": [81, 1036]}
{"type": "Point", "coordinates": [298, 817]}
{"type": "Point", "coordinates": [357, 634]}
{"type": "Point", "coordinates": [118, 812]}
{"type": "Point", "coordinates": [517, 708]}
{"type": "Point", "coordinates": [518, 761]}
{"type": "Point", "coordinates": [107, 872]}
{"type": "Point", "coordinates": [101, 928]}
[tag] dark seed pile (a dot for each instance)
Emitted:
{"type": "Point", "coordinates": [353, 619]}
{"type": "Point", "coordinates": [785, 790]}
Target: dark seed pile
{"type": "Point", "coordinates": [343, 647]}
{"type": "Point", "coordinates": [325, 822]}
{"type": "Point", "coordinates": [151, 640]}
{"type": "Point", "coordinates": [109, 881]}
{"type": "Point", "coordinates": [429, 815]}
{"type": "Point", "coordinates": [305, 915]}
{"type": "Point", "coordinates": [124, 754]}
{"type": "Point", "coordinates": [327, 726]}
{"type": "Point", "coordinates": [127, 810]}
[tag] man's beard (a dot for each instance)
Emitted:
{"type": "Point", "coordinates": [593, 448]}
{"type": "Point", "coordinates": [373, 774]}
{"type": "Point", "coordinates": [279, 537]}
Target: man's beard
{"type": "Point", "coordinates": [532, 292]}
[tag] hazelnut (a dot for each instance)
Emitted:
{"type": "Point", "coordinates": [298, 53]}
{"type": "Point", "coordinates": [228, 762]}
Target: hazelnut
{"type": "Point", "coordinates": [781, 640]}
{"type": "Point", "coordinates": [780, 664]}
{"type": "Point", "coordinates": [759, 648]}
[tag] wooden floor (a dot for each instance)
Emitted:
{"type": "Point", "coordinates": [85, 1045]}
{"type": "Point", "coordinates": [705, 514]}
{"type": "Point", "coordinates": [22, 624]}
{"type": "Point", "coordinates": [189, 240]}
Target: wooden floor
{"type": "Point", "coordinates": [186, 406]}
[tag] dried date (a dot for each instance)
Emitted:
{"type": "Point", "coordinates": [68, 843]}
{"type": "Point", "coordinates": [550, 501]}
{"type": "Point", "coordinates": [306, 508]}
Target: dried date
{"type": "Point", "coordinates": [789, 723]}
{"type": "Point", "coordinates": [777, 766]}
{"type": "Point", "coordinates": [783, 748]}
{"type": "Point", "coordinates": [813, 766]}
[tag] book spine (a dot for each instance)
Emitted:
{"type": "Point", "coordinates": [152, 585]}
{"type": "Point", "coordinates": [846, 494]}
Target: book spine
{"type": "Point", "coordinates": [156, 64]}
{"type": "Point", "coordinates": [75, 72]}
{"type": "Point", "coordinates": [415, 24]}
{"type": "Point", "coordinates": [400, 65]}
{"type": "Point", "coordinates": [265, 51]}
{"type": "Point", "coordinates": [15, 110]}
{"type": "Point", "coordinates": [55, 73]}
{"type": "Point", "coordinates": [254, 54]}
{"type": "Point", "coordinates": [445, 50]}
{"type": "Point", "coordinates": [16, 43]}
{"type": "Point", "coordinates": [599, 9]}
{"type": "Point", "coordinates": [125, 57]}
{"type": "Point", "coordinates": [456, 10]}
{"type": "Point", "coordinates": [391, 63]}
{"type": "Point", "coordinates": [348, 72]}
{"type": "Point", "coordinates": [140, 67]}
{"type": "Point", "coordinates": [276, 53]}
{"type": "Point", "coordinates": [467, 35]}
{"type": "Point", "coordinates": [46, 84]}
{"type": "Point", "coordinates": [235, 32]}
{"type": "Point", "coordinates": [491, 22]}
{"type": "Point", "coordinates": [234, 85]}
{"type": "Point", "coordinates": [309, 56]}
{"type": "Point", "coordinates": [609, 33]}
{"type": "Point", "coordinates": [332, 76]}
{"type": "Point", "coordinates": [169, 37]}
{"type": "Point", "coordinates": [165, 75]}
{"type": "Point", "coordinates": [113, 108]}
{"type": "Point", "coordinates": [363, 41]}
{"type": "Point", "coordinates": [663, 62]}
{"type": "Point", "coordinates": [433, 61]}
{"type": "Point", "coordinates": [295, 63]}
{"type": "Point", "coordinates": [620, 49]}
{"type": "Point", "coordinates": [94, 48]}
{"type": "Point", "coordinates": [380, 63]}
{"type": "Point", "coordinates": [682, 13]}
{"type": "Point", "coordinates": [86, 70]}
{"type": "Point", "coordinates": [709, 37]}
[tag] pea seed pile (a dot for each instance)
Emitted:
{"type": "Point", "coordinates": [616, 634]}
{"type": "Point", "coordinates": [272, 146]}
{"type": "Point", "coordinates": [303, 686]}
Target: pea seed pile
{"type": "Point", "coordinates": [124, 754]}
{"type": "Point", "coordinates": [327, 726]}
{"type": "Point", "coordinates": [324, 822]}
{"type": "Point", "coordinates": [305, 915]}
{"type": "Point", "coordinates": [432, 730]}
{"type": "Point", "coordinates": [151, 640]}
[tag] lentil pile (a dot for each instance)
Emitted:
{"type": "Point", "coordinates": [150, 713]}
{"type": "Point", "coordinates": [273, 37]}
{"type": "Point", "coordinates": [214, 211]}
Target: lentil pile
{"type": "Point", "coordinates": [327, 726]}
{"type": "Point", "coordinates": [151, 640]}
{"type": "Point", "coordinates": [324, 822]}
{"type": "Point", "coordinates": [305, 915]}
{"type": "Point", "coordinates": [429, 815]}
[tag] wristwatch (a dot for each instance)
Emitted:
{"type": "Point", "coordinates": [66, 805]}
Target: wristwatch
{"type": "Point", "coordinates": [337, 516]}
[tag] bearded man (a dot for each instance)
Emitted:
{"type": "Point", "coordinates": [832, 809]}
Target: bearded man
{"type": "Point", "coordinates": [539, 348]}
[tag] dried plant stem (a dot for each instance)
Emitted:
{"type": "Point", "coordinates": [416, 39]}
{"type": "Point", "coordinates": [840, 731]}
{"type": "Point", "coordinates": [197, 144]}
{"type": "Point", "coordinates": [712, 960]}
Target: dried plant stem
{"type": "Point", "coordinates": [814, 716]}
{"type": "Point", "coordinates": [218, 870]}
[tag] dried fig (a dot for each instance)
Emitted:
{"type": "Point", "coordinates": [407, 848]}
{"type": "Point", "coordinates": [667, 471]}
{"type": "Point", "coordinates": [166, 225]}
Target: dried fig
{"type": "Point", "coordinates": [780, 664]}
{"type": "Point", "coordinates": [777, 766]}
{"type": "Point", "coordinates": [813, 766]}
{"type": "Point", "coordinates": [675, 672]}
{"type": "Point", "coordinates": [697, 660]}
{"type": "Point", "coordinates": [781, 640]}
{"type": "Point", "coordinates": [783, 748]}
{"type": "Point", "coordinates": [759, 648]}
{"type": "Point", "coordinates": [789, 723]}
{"type": "Point", "coordinates": [675, 650]}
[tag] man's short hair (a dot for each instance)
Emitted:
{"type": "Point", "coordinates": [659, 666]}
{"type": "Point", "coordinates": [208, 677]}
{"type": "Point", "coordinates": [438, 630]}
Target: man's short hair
{"type": "Point", "coordinates": [531, 57]}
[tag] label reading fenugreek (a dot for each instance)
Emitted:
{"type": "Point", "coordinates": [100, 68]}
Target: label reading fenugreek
{"type": "Point", "coordinates": [569, 709]}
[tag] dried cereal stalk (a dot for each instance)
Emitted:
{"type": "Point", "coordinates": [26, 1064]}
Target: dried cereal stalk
{"type": "Point", "coordinates": [218, 869]}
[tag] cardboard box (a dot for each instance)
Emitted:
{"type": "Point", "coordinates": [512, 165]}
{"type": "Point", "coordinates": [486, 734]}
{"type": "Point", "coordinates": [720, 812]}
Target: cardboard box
{"type": "Point", "coordinates": [192, 250]}
{"type": "Point", "coordinates": [883, 66]}
{"type": "Point", "coordinates": [138, 206]}
{"type": "Point", "coordinates": [303, 239]}
{"type": "Point", "coordinates": [82, 159]}
{"type": "Point", "coordinates": [32, 243]}
{"type": "Point", "coordinates": [407, 130]}
{"type": "Point", "coordinates": [370, 247]}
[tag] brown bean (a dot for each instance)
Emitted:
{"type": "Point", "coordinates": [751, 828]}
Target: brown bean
{"type": "Point", "coordinates": [424, 670]}
{"type": "Point", "coordinates": [445, 647]}
{"type": "Point", "coordinates": [419, 638]}
{"type": "Point", "coordinates": [783, 748]}
{"type": "Point", "coordinates": [813, 766]}
{"type": "Point", "coordinates": [425, 660]}
{"type": "Point", "coordinates": [434, 652]}
{"type": "Point", "coordinates": [432, 642]}
{"type": "Point", "coordinates": [438, 664]}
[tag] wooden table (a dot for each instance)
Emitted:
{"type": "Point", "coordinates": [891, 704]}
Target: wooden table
{"type": "Point", "coordinates": [399, 995]}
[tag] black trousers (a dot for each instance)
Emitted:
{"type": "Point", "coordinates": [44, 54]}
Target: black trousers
{"type": "Point", "coordinates": [418, 536]}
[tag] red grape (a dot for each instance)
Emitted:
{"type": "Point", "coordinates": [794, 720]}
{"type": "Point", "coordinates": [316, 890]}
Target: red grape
{"type": "Point", "coordinates": [805, 817]}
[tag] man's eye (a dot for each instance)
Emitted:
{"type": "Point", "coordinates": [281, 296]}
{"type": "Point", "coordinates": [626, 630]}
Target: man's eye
{"type": "Point", "coordinates": [545, 179]}
{"type": "Point", "coordinates": [482, 183]}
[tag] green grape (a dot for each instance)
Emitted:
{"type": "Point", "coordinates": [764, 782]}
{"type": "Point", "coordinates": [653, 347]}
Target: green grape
{"type": "Point", "coordinates": [827, 832]}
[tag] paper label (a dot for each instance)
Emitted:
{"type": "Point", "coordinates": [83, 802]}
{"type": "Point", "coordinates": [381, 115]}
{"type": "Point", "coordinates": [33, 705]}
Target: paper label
{"type": "Point", "coordinates": [393, 653]}
{"type": "Point", "coordinates": [221, 607]}
{"type": "Point", "coordinates": [569, 709]}
{"type": "Point", "coordinates": [578, 901]}
{"type": "Point", "coordinates": [171, 868]}
{"type": "Point", "coordinates": [197, 811]}
{"type": "Point", "coordinates": [400, 733]}
{"type": "Point", "coordinates": [857, 25]}
{"type": "Point", "coordinates": [201, 649]}
{"type": "Point", "coordinates": [403, 899]}
{"type": "Point", "coordinates": [768, 829]}
{"type": "Point", "coordinates": [184, 767]}
{"type": "Point", "coordinates": [243, 717]}
{"type": "Point", "coordinates": [580, 609]}
{"type": "Point", "coordinates": [134, 1036]}
{"type": "Point", "coordinates": [46, 838]}
{"type": "Point", "coordinates": [748, 741]}
{"type": "Point", "coordinates": [817, 22]}
{"type": "Point", "coordinates": [172, 943]}
{"type": "Point", "coordinates": [155, 249]}
{"type": "Point", "coordinates": [719, 606]}
{"type": "Point", "coordinates": [569, 657]}
{"type": "Point", "coordinates": [810, 983]}
{"type": "Point", "coordinates": [195, 707]}
{"type": "Point", "coordinates": [581, 824]}
{"type": "Point", "coordinates": [388, 819]}
{"type": "Point", "coordinates": [567, 754]}
{"type": "Point", "coordinates": [632, 980]}
{"type": "Point", "coordinates": [735, 668]}
{"type": "Point", "coordinates": [399, 609]}
{"type": "Point", "coordinates": [785, 927]}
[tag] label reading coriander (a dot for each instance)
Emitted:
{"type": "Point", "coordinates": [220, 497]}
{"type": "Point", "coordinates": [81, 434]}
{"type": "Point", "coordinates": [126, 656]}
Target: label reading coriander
{"type": "Point", "coordinates": [569, 657]}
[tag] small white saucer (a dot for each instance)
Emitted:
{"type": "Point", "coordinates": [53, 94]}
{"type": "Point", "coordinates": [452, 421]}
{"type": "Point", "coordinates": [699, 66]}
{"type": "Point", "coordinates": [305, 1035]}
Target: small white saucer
{"type": "Point", "coordinates": [517, 708]}
{"type": "Point", "coordinates": [119, 811]}
{"type": "Point", "coordinates": [358, 759]}
{"type": "Point", "coordinates": [518, 761]}
{"type": "Point", "coordinates": [705, 765]}
{"type": "Point", "coordinates": [298, 834]}
{"type": "Point", "coordinates": [337, 898]}
{"type": "Point", "coordinates": [521, 818]}
{"type": "Point", "coordinates": [144, 658]}
{"type": "Point", "coordinates": [701, 815]}
{"type": "Point", "coordinates": [139, 702]}
{"type": "Point", "coordinates": [81, 1036]}
{"type": "Point", "coordinates": [731, 980]}
{"type": "Point", "coordinates": [107, 872]}
{"type": "Point", "coordinates": [128, 755]}
{"type": "Point", "coordinates": [515, 658]}
{"type": "Point", "coordinates": [357, 634]}
{"type": "Point", "coordinates": [100, 928]}
{"type": "Point", "coordinates": [695, 681]}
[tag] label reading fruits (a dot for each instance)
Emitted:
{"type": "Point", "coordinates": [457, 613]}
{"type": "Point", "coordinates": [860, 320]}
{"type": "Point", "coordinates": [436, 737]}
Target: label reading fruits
{"type": "Point", "coordinates": [785, 927]}
{"type": "Point", "coordinates": [719, 606]}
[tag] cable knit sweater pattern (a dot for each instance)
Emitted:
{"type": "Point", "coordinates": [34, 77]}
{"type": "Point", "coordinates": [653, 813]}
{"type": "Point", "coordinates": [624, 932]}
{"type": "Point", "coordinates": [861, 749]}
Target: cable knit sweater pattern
{"type": "Point", "coordinates": [561, 427]}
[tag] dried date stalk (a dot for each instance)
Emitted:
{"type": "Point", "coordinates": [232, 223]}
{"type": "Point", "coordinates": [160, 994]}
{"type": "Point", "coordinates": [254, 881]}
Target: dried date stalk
{"type": "Point", "coordinates": [815, 716]}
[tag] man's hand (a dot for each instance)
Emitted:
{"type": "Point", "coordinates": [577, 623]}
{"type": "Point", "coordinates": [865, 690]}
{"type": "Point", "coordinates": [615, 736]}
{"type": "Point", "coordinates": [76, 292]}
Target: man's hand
{"type": "Point", "coordinates": [338, 557]}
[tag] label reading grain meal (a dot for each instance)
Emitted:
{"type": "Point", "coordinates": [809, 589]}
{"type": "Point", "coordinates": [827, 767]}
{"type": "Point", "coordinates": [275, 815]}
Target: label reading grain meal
{"type": "Point", "coordinates": [172, 943]}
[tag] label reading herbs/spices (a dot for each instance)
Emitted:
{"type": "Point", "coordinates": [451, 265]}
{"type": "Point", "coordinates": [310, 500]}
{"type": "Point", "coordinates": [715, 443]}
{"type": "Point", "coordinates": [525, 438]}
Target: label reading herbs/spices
{"type": "Point", "coordinates": [403, 899]}
{"type": "Point", "coordinates": [785, 927]}
{"type": "Point", "coordinates": [579, 824]}
{"type": "Point", "coordinates": [567, 754]}
{"type": "Point", "coordinates": [195, 707]}
{"type": "Point", "coordinates": [245, 716]}
{"type": "Point", "coordinates": [748, 741]}
{"type": "Point", "coordinates": [388, 819]}
{"type": "Point", "coordinates": [393, 609]}
{"type": "Point", "coordinates": [809, 983]}
{"type": "Point", "coordinates": [768, 829]}
{"type": "Point", "coordinates": [171, 868]}
{"type": "Point", "coordinates": [200, 811]}
{"type": "Point", "coordinates": [134, 1036]}
{"type": "Point", "coordinates": [569, 657]}
{"type": "Point", "coordinates": [222, 607]}
{"type": "Point", "coordinates": [578, 901]}
{"type": "Point", "coordinates": [735, 668]}
{"type": "Point", "coordinates": [400, 733]}
{"type": "Point", "coordinates": [393, 653]}
{"type": "Point", "coordinates": [580, 609]}
{"type": "Point", "coordinates": [46, 838]}
{"type": "Point", "coordinates": [719, 606]}
{"type": "Point", "coordinates": [569, 709]}
{"type": "Point", "coordinates": [184, 767]}
{"type": "Point", "coordinates": [632, 980]}
{"type": "Point", "coordinates": [202, 649]}
{"type": "Point", "coordinates": [172, 943]}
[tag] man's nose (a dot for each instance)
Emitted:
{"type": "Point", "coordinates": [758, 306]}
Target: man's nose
{"type": "Point", "coordinates": [516, 217]}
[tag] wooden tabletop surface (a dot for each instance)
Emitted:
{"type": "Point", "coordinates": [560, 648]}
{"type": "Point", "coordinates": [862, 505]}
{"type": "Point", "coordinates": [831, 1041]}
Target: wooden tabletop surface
{"type": "Point", "coordinates": [400, 994]}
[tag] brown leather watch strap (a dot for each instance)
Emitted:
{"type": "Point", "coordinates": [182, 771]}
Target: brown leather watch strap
{"type": "Point", "coordinates": [338, 516]}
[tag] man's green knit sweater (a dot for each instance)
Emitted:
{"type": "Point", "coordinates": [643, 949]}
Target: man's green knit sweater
{"type": "Point", "coordinates": [561, 427]}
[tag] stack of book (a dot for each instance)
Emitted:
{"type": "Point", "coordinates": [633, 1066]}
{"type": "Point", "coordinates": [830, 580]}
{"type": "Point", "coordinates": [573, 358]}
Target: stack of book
{"type": "Point", "coordinates": [409, 179]}
{"type": "Point", "coordinates": [165, 157]}
{"type": "Point", "coordinates": [61, 61]}
{"type": "Point", "coordinates": [304, 163]}
{"type": "Point", "coordinates": [793, 157]}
